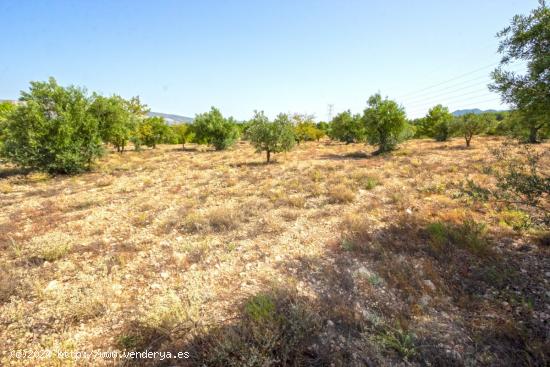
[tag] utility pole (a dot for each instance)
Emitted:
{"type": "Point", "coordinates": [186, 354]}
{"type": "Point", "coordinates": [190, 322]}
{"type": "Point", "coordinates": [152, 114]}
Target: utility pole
{"type": "Point", "coordinates": [330, 107]}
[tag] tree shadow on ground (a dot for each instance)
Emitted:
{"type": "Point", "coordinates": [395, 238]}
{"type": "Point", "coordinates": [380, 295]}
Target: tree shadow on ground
{"type": "Point", "coordinates": [348, 156]}
{"type": "Point", "coordinates": [411, 293]}
{"type": "Point", "coordinates": [13, 171]}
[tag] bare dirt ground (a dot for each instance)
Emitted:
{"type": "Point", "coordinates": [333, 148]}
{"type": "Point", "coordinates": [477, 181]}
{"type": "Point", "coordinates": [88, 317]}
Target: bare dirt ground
{"type": "Point", "coordinates": [329, 256]}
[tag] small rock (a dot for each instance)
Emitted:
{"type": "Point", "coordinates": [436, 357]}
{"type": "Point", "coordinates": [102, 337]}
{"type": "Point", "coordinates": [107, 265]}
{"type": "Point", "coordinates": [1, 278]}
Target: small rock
{"type": "Point", "coordinates": [429, 284]}
{"type": "Point", "coordinates": [52, 286]}
{"type": "Point", "coordinates": [425, 300]}
{"type": "Point", "coordinates": [330, 323]}
{"type": "Point", "coordinates": [165, 275]}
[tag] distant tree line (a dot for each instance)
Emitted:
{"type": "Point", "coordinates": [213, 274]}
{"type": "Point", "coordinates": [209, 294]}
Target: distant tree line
{"type": "Point", "coordinates": [64, 129]}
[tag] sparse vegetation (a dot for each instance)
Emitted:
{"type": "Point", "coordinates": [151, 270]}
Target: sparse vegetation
{"type": "Point", "coordinates": [196, 242]}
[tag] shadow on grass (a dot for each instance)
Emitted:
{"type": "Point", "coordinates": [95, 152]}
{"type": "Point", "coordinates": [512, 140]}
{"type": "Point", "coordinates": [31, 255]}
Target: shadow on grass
{"type": "Point", "coordinates": [13, 171]}
{"type": "Point", "coordinates": [411, 293]}
{"type": "Point", "coordinates": [349, 156]}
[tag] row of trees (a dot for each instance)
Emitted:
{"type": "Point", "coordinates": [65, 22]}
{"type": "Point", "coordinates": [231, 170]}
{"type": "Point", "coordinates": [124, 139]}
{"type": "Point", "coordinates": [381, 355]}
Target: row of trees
{"type": "Point", "coordinates": [59, 129]}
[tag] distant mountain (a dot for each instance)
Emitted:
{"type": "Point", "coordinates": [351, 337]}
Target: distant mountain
{"type": "Point", "coordinates": [476, 111]}
{"type": "Point", "coordinates": [172, 119]}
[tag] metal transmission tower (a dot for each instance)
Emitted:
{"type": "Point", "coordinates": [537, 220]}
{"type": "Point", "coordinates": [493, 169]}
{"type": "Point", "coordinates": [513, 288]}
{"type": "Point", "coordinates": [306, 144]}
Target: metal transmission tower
{"type": "Point", "coordinates": [330, 107]}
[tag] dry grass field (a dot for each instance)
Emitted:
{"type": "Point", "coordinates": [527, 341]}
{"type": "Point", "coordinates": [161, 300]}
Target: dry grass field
{"type": "Point", "coordinates": [329, 256]}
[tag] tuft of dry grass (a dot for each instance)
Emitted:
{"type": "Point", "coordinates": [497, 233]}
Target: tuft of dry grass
{"type": "Point", "coordinates": [340, 194]}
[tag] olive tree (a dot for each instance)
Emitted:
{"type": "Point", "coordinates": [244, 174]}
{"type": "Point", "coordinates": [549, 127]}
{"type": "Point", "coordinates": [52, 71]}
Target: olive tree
{"type": "Point", "coordinates": [212, 128]}
{"type": "Point", "coordinates": [271, 137]}
{"type": "Point", "coordinates": [469, 125]}
{"type": "Point", "coordinates": [52, 130]}
{"type": "Point", "coordinates": [183, 133]}
{"type": "Point", "coordinates": [115, 119]}
{"type": "Point", "coordinates": [347, 128]}
{"type": "Point", "coordinates": [527, 39]}
{"type": "Point", "coordinates": [384, 122]}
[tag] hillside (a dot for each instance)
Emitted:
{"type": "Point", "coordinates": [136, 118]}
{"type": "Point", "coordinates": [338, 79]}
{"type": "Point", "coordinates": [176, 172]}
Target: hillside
{"type": "Point", "coordinates": [172, 119]}
{"type": "Point", "coordinates": [476, 111]}
{"type": "Point", "coordinates": [329, 256]}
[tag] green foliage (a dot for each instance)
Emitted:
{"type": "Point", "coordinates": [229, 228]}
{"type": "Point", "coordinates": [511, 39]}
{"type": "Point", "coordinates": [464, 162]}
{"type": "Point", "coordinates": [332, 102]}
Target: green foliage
{"type": "Point", "coordinates": [305, 129]}
{"type": "Point", "coordinates": [6, 108]}
{"type": "Point", "coordinates": [516, 219]}
{"type": "Point", "coordinates": [183, 133]}
{"type": "Point", "coordinates": [53, 130]}
{"type": "Point", "coordinates": [347, 128]}
{"type": "Point", "coordinates": [521, 182]}
{"type": "Point", "coordinates": [212, 128]}
{"type": "Point", "coordinates": [527, 39]}
{"type": "Point", "coordinates": [469, 235]}
{"type": "Point", "coordinates": [116, 122]}
{"type": "Point", "coordinates": [271, 137]}
{"type": "Point", "coordinates": [471, 124]}
{"type": "Point", "coordinates": [274, 330]}
{"type": "Point", "coordinates": [399, 340]}
{"type": "Point", "coordinates": [151, 131]}
{"type": "Point", "coordinates": [260, 308]}
{"type": "Point", "coordinates": [437, 123]}
{"type": "Point", "coordinates": [384, 123]}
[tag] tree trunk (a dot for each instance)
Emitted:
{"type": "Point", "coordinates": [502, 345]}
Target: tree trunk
{"type": "Point", "coordinates": [533, 132]}
{"type": "Point", "coordinates": [268, 155]}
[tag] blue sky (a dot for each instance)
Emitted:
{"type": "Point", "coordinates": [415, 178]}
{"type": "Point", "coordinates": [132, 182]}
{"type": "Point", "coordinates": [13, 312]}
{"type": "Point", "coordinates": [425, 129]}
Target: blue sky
{"type": "Point", "coordinates": [278, 56]}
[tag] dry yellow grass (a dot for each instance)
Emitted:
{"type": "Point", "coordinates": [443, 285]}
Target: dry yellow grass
{"type": "Point", "coordinates": [176, 240]}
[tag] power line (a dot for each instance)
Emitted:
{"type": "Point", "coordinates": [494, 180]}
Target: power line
{"type": "Point", "coordinates": [451, 99]}
{"type": "Point", "coordinates": [450, 80]}
{"type": "Point", "coordinates": [458, 105]}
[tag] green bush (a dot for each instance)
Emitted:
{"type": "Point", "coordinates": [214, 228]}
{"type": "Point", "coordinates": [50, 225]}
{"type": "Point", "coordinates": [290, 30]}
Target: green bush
{"type": "Point", "coordinates": [212, 128]}
{"type": "Point", "coordinates": [347, 128]}
{"type": "Point", "coordinates": [384, 122]}
{"type": "Point", "coordinates": [53, 130]}
{"type": "Point", "coordinates": [437, 123]}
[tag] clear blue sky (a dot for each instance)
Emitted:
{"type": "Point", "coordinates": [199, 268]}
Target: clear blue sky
{"type": "Point", "coordinates": [279, 56]}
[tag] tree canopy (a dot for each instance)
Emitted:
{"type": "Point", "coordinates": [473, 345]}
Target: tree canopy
{"type": "Point", "coordinates": [53, 130]}
{"type": "Point", "coordinates": [384, 122]}
{"type": "Point", "coordinates": [212, 128]}
{"type": "Point", "coordinates": [527, 38]}
{"type": "Point", "coordinates": [347, 128]}
{"type": "Point", "coordinates": [271, 137]}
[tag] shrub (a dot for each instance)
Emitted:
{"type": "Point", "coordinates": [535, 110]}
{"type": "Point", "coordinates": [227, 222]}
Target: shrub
{"type": "Point", "coordinates": [271, 137]}
{"type": "Point", "coordinates": [347, 128]}
{"type": "Point", "coordinates": [521, 181]}
{"type": "Point", "coordinates": [212, 128]}
{"type": "Point", "coordinates": [384, 123]}
{"type": "Point", "coordinates": [53, 130]}
{"type": "Point", "coordinates": [516, 219]}
{"type": "Point", "coordinates": [437, 123]}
